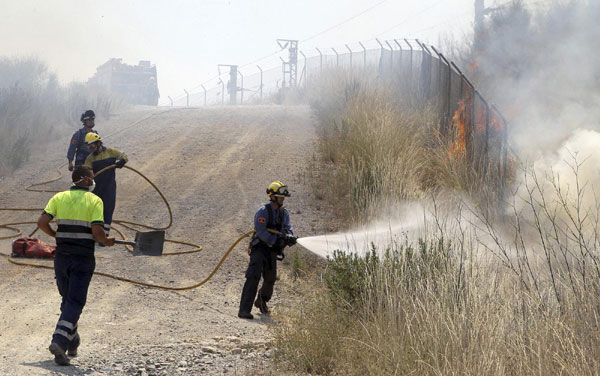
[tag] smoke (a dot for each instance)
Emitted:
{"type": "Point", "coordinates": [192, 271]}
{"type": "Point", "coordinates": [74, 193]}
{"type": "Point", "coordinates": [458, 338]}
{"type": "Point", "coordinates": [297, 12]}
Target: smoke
{"type": "Point", "coordinates": [542, 69]}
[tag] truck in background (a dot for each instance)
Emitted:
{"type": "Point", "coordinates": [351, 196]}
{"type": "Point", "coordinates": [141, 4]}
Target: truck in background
{"type": "Point", "coordinates": [136, 83]}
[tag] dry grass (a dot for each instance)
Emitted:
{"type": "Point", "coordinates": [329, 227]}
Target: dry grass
{"type": "Point", "coordinates": [492, 295]}
{"type": "Point", "coordinates": [379, 146]}
{"type": "Point", "coordinates": [447, 307]}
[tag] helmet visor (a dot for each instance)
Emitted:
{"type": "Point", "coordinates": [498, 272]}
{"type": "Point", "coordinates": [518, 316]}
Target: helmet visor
{"type": "Point", "coordinates": [282, 192]}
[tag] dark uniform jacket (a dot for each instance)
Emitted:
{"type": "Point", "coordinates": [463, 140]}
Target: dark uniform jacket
{"type": "Point", "coordinates": [78, 150]}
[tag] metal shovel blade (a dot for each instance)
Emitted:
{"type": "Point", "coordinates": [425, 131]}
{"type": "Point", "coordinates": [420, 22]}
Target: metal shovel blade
{"type": "Point", "coordinates": [149, 243]}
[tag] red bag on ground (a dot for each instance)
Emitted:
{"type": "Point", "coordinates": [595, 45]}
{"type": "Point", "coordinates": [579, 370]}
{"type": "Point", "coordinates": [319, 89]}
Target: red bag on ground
{"type": "Point", "coordinates": [32, 247]}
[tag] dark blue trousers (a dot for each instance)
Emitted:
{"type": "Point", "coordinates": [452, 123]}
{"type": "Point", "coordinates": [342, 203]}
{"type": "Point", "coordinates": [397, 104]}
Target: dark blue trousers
{"type": "Point", "coordinates": [109, 198]}
{"type": "Point", "coordinates": [73, 276]}
{"type": "Point", "coordinates": [263, 261]}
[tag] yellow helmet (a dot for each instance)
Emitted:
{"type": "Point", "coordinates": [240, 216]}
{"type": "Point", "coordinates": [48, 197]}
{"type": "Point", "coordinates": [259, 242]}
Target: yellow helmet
{"type": "Point", "coordinates": [278, 189]}
{"type": "Point", "coordinates": [92, 137]}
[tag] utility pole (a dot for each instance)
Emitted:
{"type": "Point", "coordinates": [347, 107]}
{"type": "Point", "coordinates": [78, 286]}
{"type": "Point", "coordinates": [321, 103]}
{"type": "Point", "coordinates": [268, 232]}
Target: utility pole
{"type": "Point", "coordinates": [290, 67]}
{"type": "Point", "coordinates": [232, 84]}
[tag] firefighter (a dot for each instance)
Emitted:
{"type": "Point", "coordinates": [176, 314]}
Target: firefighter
{"type": "Point", "coordinates": [78, 150]}
{"type": "Point", "coordinates": [78, 214]}
{"type": "Point", "coordinates": [106, 185]}
{"type": "Point", "coordinates": [265, 249]}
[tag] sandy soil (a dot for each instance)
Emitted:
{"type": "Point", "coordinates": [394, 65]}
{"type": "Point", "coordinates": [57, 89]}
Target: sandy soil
{"type": "Point", "coordinates": [213, 166]}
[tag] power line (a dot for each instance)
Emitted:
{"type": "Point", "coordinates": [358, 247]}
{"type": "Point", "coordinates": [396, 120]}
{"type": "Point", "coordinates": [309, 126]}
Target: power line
{"type": "Point", "coordinates": [452, 20]}
{"type": "Point", "coordinates": [409, 17]}
{"type": "Point", "coordinates": [343, 22]}
{"type": "Point", "coordinates": [307, 39]}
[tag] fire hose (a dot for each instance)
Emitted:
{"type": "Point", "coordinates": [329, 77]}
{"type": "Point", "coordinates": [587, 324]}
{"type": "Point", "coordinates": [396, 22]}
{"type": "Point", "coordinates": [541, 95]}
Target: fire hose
{"type": "Point", "coordinates": [126, 224]}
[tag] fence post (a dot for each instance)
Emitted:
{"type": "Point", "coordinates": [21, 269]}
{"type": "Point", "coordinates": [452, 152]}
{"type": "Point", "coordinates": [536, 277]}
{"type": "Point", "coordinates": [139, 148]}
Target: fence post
{"type": "Point", "coordinates": [380, 45]}
{"type": "Point", "coordinates": [337, 57]}
{"type": "Point", "coordinates": [188, 98]}
{"type": "Point", "coordinates": [203, 88]}
{"type": "Point", "coordinates": [487, 128]}
{"type": "Point", "coordinates": [400, 47]}
{"type": "Point", "coordinates": [305, 69]}
{"type": "Point", "coordinates": [460, 93]}
{"type": "Point", "coordinates": [349, 49]}
{"type": "Point", "coordinates": [381, 69]}
{"type": "Point", "coordinates": [410, 64]}
{"type": "Point", "coordinates": [364, 55]}
{"type": "Point", "coordinates": [320, 61]}
{"type": "Point", "coordinates": [425, 79]}
{"type": "Point", "coordinates": [439, 69]}
{"type": "Point", "coordinates": [261, 81]}
{"type": "Point", "coordinates": [449, 91]}
{"type": "Point", "coordinates": [171, 99]}
{"type": "Point", "coordinates": [468, 137]}
{"type": "Point", "coordinates": [401, 53]}
{"type": "Point", "coordinates": [242, 87]}
{"type": "Point", "coordinates": [391, 57]}
{"type": "Point", "coordinates": [222, 91]}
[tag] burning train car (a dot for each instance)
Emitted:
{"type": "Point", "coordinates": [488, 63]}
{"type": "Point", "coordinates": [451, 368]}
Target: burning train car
{"type": "Point", "coordinates": [136, 83]}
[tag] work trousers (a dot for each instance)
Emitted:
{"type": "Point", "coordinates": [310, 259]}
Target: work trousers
{"type": "Point", "coordinates": [73, 276]}
{"type": "Point", "coordinates": [263, 261]}
{"type": "Point", "coordinates": [109, 199]}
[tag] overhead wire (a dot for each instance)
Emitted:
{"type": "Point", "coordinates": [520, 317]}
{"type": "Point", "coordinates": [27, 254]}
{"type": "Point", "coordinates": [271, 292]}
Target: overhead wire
{"type": "Point", "coordinates": [344, 21]}
{"type": "Point", "coordinates": [412, 15]}
{"type": "Point", "coordinates": [449, 21]}
{"type": "Point", "coordinates": [304, 40]}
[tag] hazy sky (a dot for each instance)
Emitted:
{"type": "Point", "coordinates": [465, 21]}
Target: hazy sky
{"type": "Point", "coordinates": [187, 39]}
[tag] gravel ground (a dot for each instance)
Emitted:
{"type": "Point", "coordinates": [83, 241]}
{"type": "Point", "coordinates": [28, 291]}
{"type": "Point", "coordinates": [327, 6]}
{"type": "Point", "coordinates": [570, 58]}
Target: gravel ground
{"type": "Point", "coordinates": [213, 165]}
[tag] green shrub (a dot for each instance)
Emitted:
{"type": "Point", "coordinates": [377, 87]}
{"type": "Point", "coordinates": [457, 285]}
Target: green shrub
{"type": "Point", "coordinates": [346, 277]}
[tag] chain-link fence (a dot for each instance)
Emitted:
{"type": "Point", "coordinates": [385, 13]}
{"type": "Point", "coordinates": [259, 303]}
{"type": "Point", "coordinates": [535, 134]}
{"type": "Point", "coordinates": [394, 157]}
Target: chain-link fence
{"type": "Point", "coordinates": [471, 126]}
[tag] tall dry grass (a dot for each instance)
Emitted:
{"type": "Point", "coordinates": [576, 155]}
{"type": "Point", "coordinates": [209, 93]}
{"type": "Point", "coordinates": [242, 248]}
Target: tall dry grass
{"type": "Point", "coordinates": [488, 290]}
{"type": "Point", "coordinates": [379, 144]}
{"type": "Point", "coordinates": [479, 297]}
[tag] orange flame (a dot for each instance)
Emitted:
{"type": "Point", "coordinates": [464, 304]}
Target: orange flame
{"type": "Point", "coordinates": [458, 147]}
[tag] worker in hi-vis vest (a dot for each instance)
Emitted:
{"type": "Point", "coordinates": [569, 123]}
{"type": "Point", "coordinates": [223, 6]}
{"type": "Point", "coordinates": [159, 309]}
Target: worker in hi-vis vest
{"type": "Point", "coordinates": [79, 216]}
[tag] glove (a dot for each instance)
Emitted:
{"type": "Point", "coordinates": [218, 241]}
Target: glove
{"type": "Point", "coordinates": [290, 240]}
{"type": "Point", "coordinates": [279, 243]}
{"type": "Point", "coordinates": [120, 163]}
{"type": "Point", "coordinates": [280, 256]}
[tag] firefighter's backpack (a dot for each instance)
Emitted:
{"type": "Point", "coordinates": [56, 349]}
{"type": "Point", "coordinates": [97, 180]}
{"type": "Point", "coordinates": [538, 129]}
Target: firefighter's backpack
{"type": "Point", "coordinates": [32, 247]}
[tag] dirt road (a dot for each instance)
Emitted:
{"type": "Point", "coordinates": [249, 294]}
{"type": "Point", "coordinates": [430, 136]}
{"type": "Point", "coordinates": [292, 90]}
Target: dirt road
{"type": "Point", "coordinates": [213, 165]}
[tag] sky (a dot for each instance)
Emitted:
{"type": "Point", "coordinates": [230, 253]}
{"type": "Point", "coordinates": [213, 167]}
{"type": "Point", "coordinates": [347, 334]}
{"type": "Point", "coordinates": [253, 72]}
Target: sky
{"type": "Point", "coordinates": [187, 39]}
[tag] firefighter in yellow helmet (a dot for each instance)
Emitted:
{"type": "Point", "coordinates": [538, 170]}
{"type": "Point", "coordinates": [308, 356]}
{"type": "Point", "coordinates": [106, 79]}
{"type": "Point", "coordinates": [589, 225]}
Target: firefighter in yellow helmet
{"type": "Point", "coordinates": [265, 249]}
{"type": "Point", "coordinates": [106, 185]}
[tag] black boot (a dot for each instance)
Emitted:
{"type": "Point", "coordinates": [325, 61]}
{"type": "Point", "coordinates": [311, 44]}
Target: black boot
{"type": "Point", "coordinates": [262, 305]}
{"type": "Point", "coordinates": [72, 349]}
{"type": "Point", "coordinates": [245, 315]}
{"type": "Point", "coordinates": [60, 357]}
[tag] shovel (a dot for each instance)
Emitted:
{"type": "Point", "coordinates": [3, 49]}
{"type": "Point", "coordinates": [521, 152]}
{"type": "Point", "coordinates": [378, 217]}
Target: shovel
{"type": "Point", "coordinates": [146, 243]}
